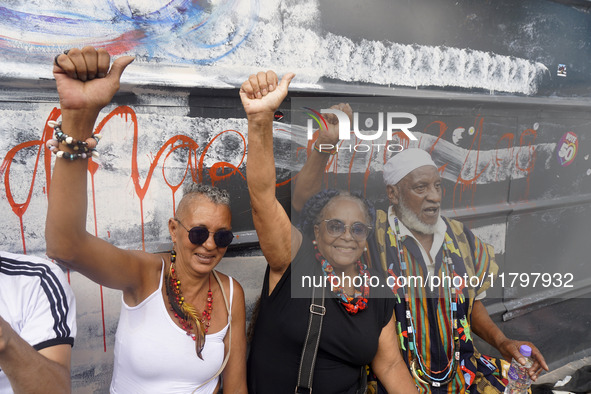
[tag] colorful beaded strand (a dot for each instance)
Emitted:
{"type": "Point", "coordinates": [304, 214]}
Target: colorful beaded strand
{"type": "Point", "coordinates": [360, 297]}
{"type": "Point", "coordinates": [83, 149]}
{"type": "Point", "coordinates": [453, 299]}
{"type": "Point", "coordinates": [206, 319]}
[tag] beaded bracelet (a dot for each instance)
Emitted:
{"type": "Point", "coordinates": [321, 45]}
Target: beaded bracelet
{"type": "Point", "coordinates": [52, 145]}
{"type": "Point", "coordinates": [86, 147]}
{"type": "Point", "coordinates": [331, 152]}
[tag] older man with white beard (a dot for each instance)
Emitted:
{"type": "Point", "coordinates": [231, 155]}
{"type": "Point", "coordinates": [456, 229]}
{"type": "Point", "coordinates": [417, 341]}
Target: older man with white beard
{"type": "Point", "coordinates": [430, 261]}
{"type": "Point", "coordinates": [437, 316]}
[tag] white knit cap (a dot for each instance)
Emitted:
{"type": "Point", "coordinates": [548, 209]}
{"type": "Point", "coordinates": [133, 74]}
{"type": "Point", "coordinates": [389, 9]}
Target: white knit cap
{"type": "Point", "coordinates": [403, 163]}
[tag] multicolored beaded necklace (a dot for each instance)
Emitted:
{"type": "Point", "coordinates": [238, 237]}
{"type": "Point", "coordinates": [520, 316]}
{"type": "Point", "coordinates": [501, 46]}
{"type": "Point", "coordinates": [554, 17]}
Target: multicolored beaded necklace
{"type": "Point", "coordinates": [360, 296]}
{"type": "Point", "coordinates": [185, 312]}
{"type": "Point", "coordinates": [423, 373]}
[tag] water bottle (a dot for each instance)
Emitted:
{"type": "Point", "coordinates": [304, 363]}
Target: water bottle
{"type": "Point", "coordinates": [519, 380]}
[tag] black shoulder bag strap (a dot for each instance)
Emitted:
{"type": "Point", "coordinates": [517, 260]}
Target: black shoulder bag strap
{"type": "Point", "coordinates": [308, 360]}
{"type": "Point", "coordinates": [362, 381]}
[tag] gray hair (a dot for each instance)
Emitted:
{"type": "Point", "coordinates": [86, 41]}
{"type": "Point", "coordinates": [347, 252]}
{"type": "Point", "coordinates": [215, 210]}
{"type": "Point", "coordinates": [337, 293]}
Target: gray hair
{"type": "Point", "coordinates": [212, 193]}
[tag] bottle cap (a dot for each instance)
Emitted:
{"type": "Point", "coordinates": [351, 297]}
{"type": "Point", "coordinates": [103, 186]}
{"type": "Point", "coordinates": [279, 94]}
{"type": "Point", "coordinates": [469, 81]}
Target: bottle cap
{"type": "Point", "coordinates": [525, 350]}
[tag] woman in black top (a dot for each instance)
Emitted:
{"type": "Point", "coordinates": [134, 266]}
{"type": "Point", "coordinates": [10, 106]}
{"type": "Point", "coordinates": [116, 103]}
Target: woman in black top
{"type": "Point", "coordinates": [358, 326]}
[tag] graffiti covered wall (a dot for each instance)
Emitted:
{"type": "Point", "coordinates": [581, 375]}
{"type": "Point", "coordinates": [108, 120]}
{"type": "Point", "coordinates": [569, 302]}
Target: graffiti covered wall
{"type": "Point", "coordinates": [450, 44]}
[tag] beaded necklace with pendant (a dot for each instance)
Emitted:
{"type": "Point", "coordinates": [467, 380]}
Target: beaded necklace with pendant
{"type": "Point", "coordinates": [352, 304]}
{"type": "Point", "coordinates": [185, 312]}
{"type": "Point", "coordinates": [422, 373]}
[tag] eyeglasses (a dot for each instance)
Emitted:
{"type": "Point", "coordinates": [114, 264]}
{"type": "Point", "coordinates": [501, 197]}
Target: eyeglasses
{"type": "Point", "coordinates": [358, 230]}
{"type": "Point", "coordinates": [198, 235]}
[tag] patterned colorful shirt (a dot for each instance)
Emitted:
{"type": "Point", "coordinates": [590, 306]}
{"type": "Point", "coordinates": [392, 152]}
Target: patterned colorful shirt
{"type": "Point", "coordinates": [430, 305]}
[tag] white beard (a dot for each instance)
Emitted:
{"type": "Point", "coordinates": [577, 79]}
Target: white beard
{"type": "Point", "coordinates": [412, 221]}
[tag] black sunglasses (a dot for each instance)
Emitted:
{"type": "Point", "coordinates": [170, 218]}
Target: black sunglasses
{"type": "Point", "coordinates": [198, 235]}
{"type": "Point", "coordinates": [358, 230]}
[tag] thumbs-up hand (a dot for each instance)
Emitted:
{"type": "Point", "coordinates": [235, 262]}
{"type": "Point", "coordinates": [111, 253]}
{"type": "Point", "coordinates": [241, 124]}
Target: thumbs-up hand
{"type": "Point", "coordinates": [84, 80]}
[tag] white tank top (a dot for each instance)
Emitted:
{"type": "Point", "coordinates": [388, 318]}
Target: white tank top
{"type": "Point", "coordinates": [154, 355]}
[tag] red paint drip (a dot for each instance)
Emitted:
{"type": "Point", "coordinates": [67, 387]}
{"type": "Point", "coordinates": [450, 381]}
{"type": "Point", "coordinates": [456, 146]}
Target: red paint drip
{"type": "Point", "coordinates": [20, 208]}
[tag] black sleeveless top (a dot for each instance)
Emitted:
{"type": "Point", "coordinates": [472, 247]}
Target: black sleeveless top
{"type": "Point", "coordinates": [347, 342]}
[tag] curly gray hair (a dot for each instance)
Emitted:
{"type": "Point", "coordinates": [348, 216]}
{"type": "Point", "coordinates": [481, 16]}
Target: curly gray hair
{"type": "Point", "coordinates": [212, 193]}
{"type": "Point", "coordinates": [192, 191]}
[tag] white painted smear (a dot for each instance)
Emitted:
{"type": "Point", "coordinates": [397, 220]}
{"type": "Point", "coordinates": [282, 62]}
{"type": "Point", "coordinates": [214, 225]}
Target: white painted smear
{"type": "Point", "coordinates": [289, 44]}
{"type": "Point", "coordinates": [457, 135]}
{"type": "Point", "coordinates": [490, 165]}
{"type": "Point", "coordinates": [419, 65]}
{"type": "Point", "coordinates": [462, 164]}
